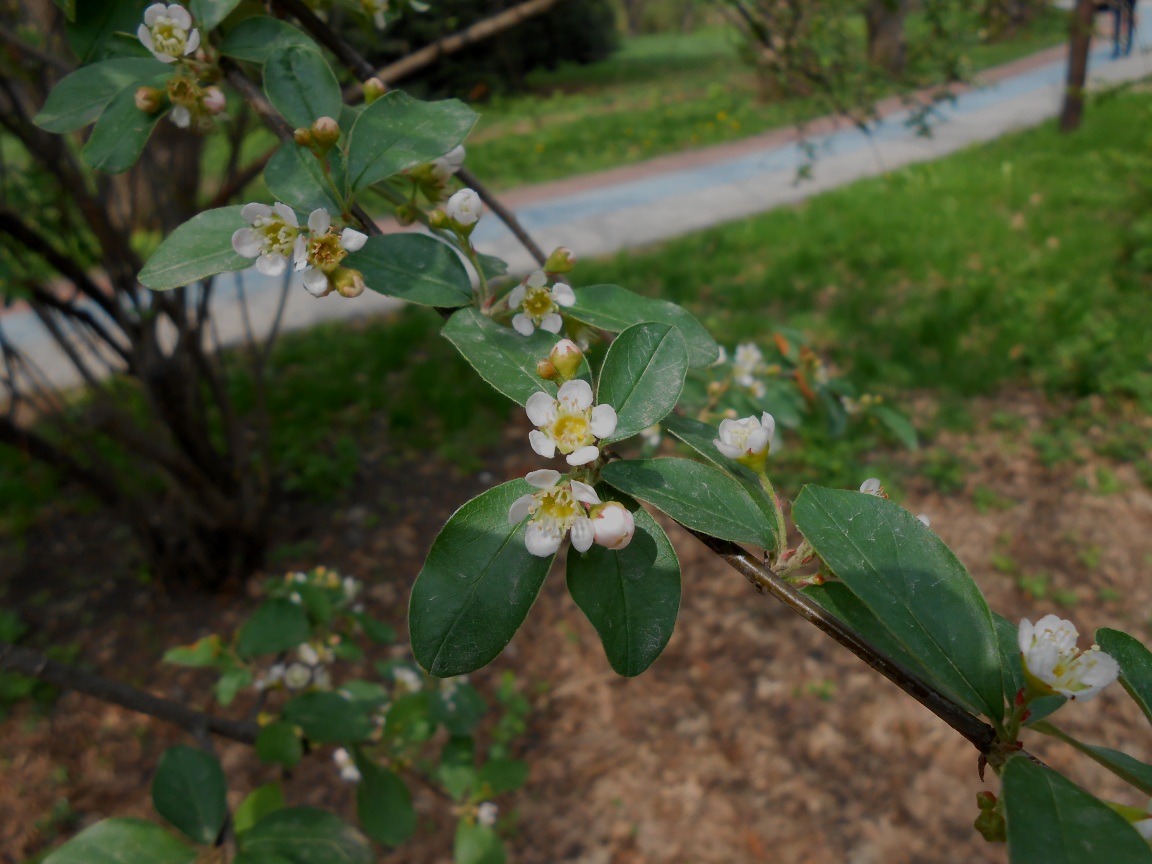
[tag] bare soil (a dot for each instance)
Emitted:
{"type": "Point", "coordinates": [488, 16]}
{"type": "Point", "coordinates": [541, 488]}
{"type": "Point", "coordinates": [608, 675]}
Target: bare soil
{"type": "Point", "coordinates": [753, 738]}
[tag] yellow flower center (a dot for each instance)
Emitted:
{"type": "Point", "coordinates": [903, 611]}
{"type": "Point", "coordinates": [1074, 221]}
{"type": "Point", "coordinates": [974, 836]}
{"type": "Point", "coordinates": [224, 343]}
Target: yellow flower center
{"type": "Point", "coordinates": [556, 508]}
{"type": "Point", "coordinates": [572, 429]}
{"type": "Point", "coordinates": [537, 303]}
{"type": "Point", "coordinates": [279, 236]}
{"type": "Point", "coordinates": [168, 38]}
{"type": "Point", "coordinates": [325, 252]}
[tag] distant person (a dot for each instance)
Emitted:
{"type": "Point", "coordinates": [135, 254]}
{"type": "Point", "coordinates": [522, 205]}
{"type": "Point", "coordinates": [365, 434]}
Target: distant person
{"type": "Point", "coordinates": [1124, 20]}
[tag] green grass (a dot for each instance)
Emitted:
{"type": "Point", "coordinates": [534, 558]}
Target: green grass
{"type": "Point", "coordinates": [659, 94]}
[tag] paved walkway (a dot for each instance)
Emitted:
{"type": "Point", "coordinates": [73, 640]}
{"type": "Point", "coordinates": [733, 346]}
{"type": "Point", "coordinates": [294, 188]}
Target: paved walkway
{"type": "Point", "coordinates": [601, 213]}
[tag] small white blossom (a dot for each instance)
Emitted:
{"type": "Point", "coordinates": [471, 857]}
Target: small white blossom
{"type": "Point", "coordinates": [613, 525]}
{"type": "Point", "coordinates": [407, 679]}
{"type": "Point", "coordinates": [307, 654]}
{"type": "Point", "coordinates": [297, 676]}
{"type": "Point", "coordinates": [168, 33]}
{"type": "Point", "coordinates": [351, 587]}
{"type": "Point", "coordinates": [324, 250]}
{"type": "Point", "coordinates": [274, 236]}
{"type": "Point", "coordinates": [747, 437]}
{"type": "Point", "coordinates": [464, 208]}
{"type": "Point", "coordinates": [557, 509]}
{"type": "Point", "coordinates": [349, 773]}
{"type": "Point", "coordinates": [486, 814]}
{"type": "Point", "coordinates": [747, 362]}
{"type": "Point", "coordinates": [872, 486]}
{"type": "Point", "coordinates": [1049, 653]}
{"type": "Point", "coordinates": [181, 117]}
{"type": "Point", "coordinates": [569, 423]}
{"type": "Point", "coordinates": [213, 100]}
{"type": "Point", "coordinates": [449, 163]}
{"type": "Point", "coordinates": [539, 304]}
{"type": "Point", "coordinates": [652, 435]}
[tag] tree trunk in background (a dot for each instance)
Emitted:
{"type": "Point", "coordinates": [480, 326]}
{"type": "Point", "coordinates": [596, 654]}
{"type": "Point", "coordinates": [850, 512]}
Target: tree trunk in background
{"type": "Point", "coordinates": [1079, 41]}
{"type": "Point", "coordinates": [886, 44]}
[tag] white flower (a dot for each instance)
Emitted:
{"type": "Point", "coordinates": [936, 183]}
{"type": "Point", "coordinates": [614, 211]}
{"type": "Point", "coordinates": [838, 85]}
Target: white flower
{"type": "Point", "coordinates": [181, 116]}
{"type": "Point", "coordinates": [652, 435]}
{"type": "Point", "coordinates": [556, 510]}
{"type": "Point", "coordinates": [407, 679]}
{"type": "Point", "coordinates": [872, 486]}
{"type": "Point", "coordinates": [167, 32]}
{"type": "Point", "coordinates": [351, 588]}
{"type": "Point", "coordinates": [486, 814]}
{"type": "Point", "coordinates": [349, 773]}
{"type": "Point", "coordinates": [613, 525]}
{"type": "Point", "coordinates": [747, 362]}
{"type": "Point", "coordinates": [747, 437]}
{"type": "Point", "coordinates": [297, 676]}
{"type": "Point", "coordinates": [464, 208]}
{"type": "Point", "coordinates": [1048, 650]}
{"type": "Point", "coordinates": [274, 235]}
{"type": "Point", "coordinates": [539, 304]}
{"type": "Point", "coordinates": [324, 250]}
{"type": "Point", "coordinates": [569, 423]}
{"type": "Point", "coordinates": [449, 163]}
{"type": "Point", "coordinates": [214, 101]}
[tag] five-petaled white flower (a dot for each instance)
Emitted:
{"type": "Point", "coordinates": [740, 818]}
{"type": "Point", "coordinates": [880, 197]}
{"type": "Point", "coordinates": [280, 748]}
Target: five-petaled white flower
{"type": "Point", "coordinates": [558, 508]}
{"type": "Point", "coordinates": [274, 237]}
{"type": "Point", "coordinates": [569, 423]}
{"type": "Point", "coordinates": [539, 304]}
{"type": "Point", "coordinates": [324, 251]}
{"type": "Point", "coordinates": [746, 438]}
{"type": "Point", "coordinates": [1048, 650]}
{"type": "Point", "coordinates": [167, 32]}
{"type": "Point", "coordinates": [613, 525]}
{"type": "Point", "coordinates": [464, 208]}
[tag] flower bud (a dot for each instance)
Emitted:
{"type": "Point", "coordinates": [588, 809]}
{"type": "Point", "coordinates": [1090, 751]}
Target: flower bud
{"type": "Point", "coordinates": [374, 88]}
{"type": "Point", "coordinates": [612, 525]}
{"type": "Point", "coordinates": [149, 99]}
{"type": "Point", "coordinates": [325, 132]}
{"type": "Point", "coordinates": [566, 357]}
{"type": "Point", "coordinates": [436, 219]}
{"type": "Point", "coordinates": [214, 101]}
{"type": "Point", "coordinates": [348, 282]}
{"type": "Point", "coordinates": [562, 260]}
{"type": "Point", "coordinates": [986, 800]}
{"type": "Point", "coordinates": [546, 370]}
{"type": "Point", "coordinates": [302, 137]}
{"type": "Point", "coordinates": [464, 209]}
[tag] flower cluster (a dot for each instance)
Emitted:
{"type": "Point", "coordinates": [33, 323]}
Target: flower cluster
{"type": "Point", "coordinates": [569, 423]}
{"type": "Point", "coordinates": [1052, 663]}
{"type": "Point", "coordinates": [539, 305]}
{"type": "Point", "coordinates": [564, 506]}
{"type": "Point", "coordinates": [168, 33]}
{"type": "Point", "coordinates": [308, 671]}
{"type": "Point", "coordinates": [275, 236]}
{"type": "Point", "coordinates": [747, 364]}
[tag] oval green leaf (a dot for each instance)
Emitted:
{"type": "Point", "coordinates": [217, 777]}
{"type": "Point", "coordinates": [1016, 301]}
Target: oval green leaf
{"type": "Point", "coordinates": [278, 625]}
{"type": "Point", "coordinates": [413, 267]}
{"type": "Point", "coordinates": [255, 39]}
{"type": "Point", "coordinates": [476, 587]}
{"type": "Point", "coordinates": [643, 377]}
{"type": "Point", "coordinates": [119, 136]}
{"type": "Point", "coordinates": [477, 844]}
{"type": "Point", "coordinates": [189, 791]}
{"type": "Point", "coordinates": [301, 85]}
{"type": "Point", "coordinates": [695, 495]}
{"type": "Point", "coordinates": [295, 176]}
{"type": "Point", "coordinates": [615, 309]}
{"type": "Point", "coordinates": [208, 13]}
{"type": "Point", "coordinates": [396, 132]}
{"type": "Point", "coordinates": [1051, 820]}
{"type": "Point", "coordinates": [1135, 665]}
{"type": "Point", "coordinates": [913, 584]}
{"type": "Point", "coordinates": [279, 744]}
{"type": "Point", "coordinates": [329, 718]}
{"type": "Point", "coordinates": [199, 248]}
{"type": "Point", "coordinates": [105, 28]}
{"type": "Point", "coordinates": [500, 355]}
{"type": "Point", "coordinates": [631, 596]}
{"type": "Point", "coordinates": [259, 803]}
{"type": "Point", "coordinates": [82, 96]}
{"type": "Point", "coordinates": [384, 805]}
{"type": "Point", "coordinates": [124, 841]}
{"type": "Point", "coordinates": [303, 835]}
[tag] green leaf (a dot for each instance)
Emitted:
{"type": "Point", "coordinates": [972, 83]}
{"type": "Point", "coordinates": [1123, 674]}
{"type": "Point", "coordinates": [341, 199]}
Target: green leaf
{"type": "Point", "coordinates": [1135, 665]}
{"type": "Point", "coordinates": [368, 693]}
{"type": "Point", "coordinates": [631, 596]}
{"type": "Point", "coordinates": [460, 711]}
{"type": "Point", "coordinates": [123, 841]}
{"type": "Point", "coordinates": [374, 629]}
{"type": "Point", "coordinates": [254, 39]}
{"type": "Point", "coordinates": [231, 682]}
{"type": "Point", "coordinates": [277, 625]}
{"type": "Point", "coordinates": [189, 791]}
{"type": "Point", "coordinates": [119, 136]}
{"type": "Point", "coordinates": [317, 601]}
{"type": "Point", "coordinates": [260, 858]}
{"type": "Point", "coordinates": [259, 803]}
{"type": "Point", "coordinates": [208, 13]}
{"type": "Point", "coordinates": [503, 775]}
{"type": "Point", "coordinates": [279, 744]}
{"type": "Point", "coordinates": [698, 496]}
{"type": "Point", "coordinates": [328, 717]}
{"type": "Point", "coordinates": [898, 425]}
{"type": "Point", "coordinates": [1053, 821]}
{"type": "Point", "coordinates": [615, 309]}
{"type": "Point", "coordinates": [397, 132]}
{"type": "Point", "coordinates": [409, 719]}
{"type": "Point", "coordinates": [301, 85]}
{"type": "Point", "coordinates": [476, 587]}
{"type": "Point", "coordinates": [643, 377]}
{"type": "Point", "coordinates": [295, 176]}
{"type": "Point", "coordinates": [457, 769]}
{"type": "Point", "coordinates": [304, 835]}
{"type": "Point", "coordinates": [913, 584]}
{"type": "Point", "coordinates": [384, 805]}
{"type": "Point", "coordinates": [414, 267]}
{"type": "Point", "coordinates": [204, 652]}
{"type": "Point", "coordinates": [199, 248]}
{"type": "Point", "coordinates": [1129, 770]}
{"type": "Point", "coordinates": [501, 356]}
{"type": "Point", "coordinates": [82, 96]}
{"type": "Point", "coordinates": [104, 28]}
{"type": "Point", "coordinates": [477, 844]}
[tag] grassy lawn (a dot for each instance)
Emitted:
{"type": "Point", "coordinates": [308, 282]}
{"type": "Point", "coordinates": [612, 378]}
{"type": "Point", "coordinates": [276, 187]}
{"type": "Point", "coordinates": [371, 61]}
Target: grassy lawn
{"type": "Point", "coordinates": [659, 94]}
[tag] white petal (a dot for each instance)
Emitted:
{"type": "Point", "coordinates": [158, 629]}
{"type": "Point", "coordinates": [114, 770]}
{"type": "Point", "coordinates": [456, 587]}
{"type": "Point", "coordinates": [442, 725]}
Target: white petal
{"type": "Point", "coordinates": [584, 493]}
{"type": "Point", "coordinates": [923, 517]}
{"type": "Point", "coordinates": [300, 251]}
{"type": "Point", "coordinates": [272, 265]}
{"type": "Point", "coordinates": [541, 409]}
{"type": "Point", "coordinates": [727, 428]}
{"type": "Point", "coordinates": [316, 282]}
{"type": "Point", "coordinates": [542, 444]}
{"type": "Point", "coordinates": [603, 421]}
{"type": "Point", "coordinates": [251, 212]}
{"type": "Point", "coordinates": [563, 295]}
{"type": "Point", "coordinates": [353, 240]}
{"type": "Point", "coordinates": [551, 322]}
{"type": "Point", "coordinates": [523, 325]}
{"type": "Point", "coordinates": [163, 58]}
{"type": "Point", "coordinates": [193, 42]}
{"type": "Point", "coordinates": [516, 297]}
{"type": "Point", "coordinates": [727, 449]}
{"type": "Point", "coordinates": [542, 478]}
{"type": "Point", "coordinates": [536, 279]}
{"type": "Point", "coordinates": [179, 16]}
{"type": "Point", "coordinates": [541, 542]}
{"type": "Point", "coordinates": [145, 36]}
{"type": "Point", "coordinates": [757, 441]}
{"type": "Point", "coordinates": [584, 455]}
{"type": "Point", "coordinates": [576, 391]}
{"type": "Point", "coordinates": [181, 116]}
{"type": "Point", "coordinates": [583, 533]}
{"type": "Point", "coordinates": [1024, 636]}
{"type": "Point", "coordinates": [769, 423]}
{"type": "Point", "coordinates": [154, 12]}
{"type": "Point", "coordinates": [319, 221]}
{"type": "Point", "coordinates": [246, 242]}
{"type": "Point", "coordinates": [287, 214]}
{"type": "Point", "coordinates": [871, 486]}
{"type": "Point", "coordinates": [520, 508]}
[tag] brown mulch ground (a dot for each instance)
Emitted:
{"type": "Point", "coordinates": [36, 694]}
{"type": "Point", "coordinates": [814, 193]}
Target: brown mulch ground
{"type": "Point", "coordinates": [753, 738]}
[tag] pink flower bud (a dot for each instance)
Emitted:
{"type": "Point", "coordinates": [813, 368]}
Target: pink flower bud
{"type": "Point", "coordinates": [148, 99]}
{"type": "Point", "coordinates": [374, 88]}
{"type": "Point", "coordinates": [325, 132]}
{"type": "Point", "coordinates": [612, 525]}
{"type": "Point", "coordinates": [214, 101]}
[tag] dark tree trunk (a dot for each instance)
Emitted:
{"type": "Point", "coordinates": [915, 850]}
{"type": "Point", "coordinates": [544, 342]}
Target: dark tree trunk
{"type": "Point", "coordinates": [1079, 41]}
{"type": "Point", "coordinates": [887, 48]}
